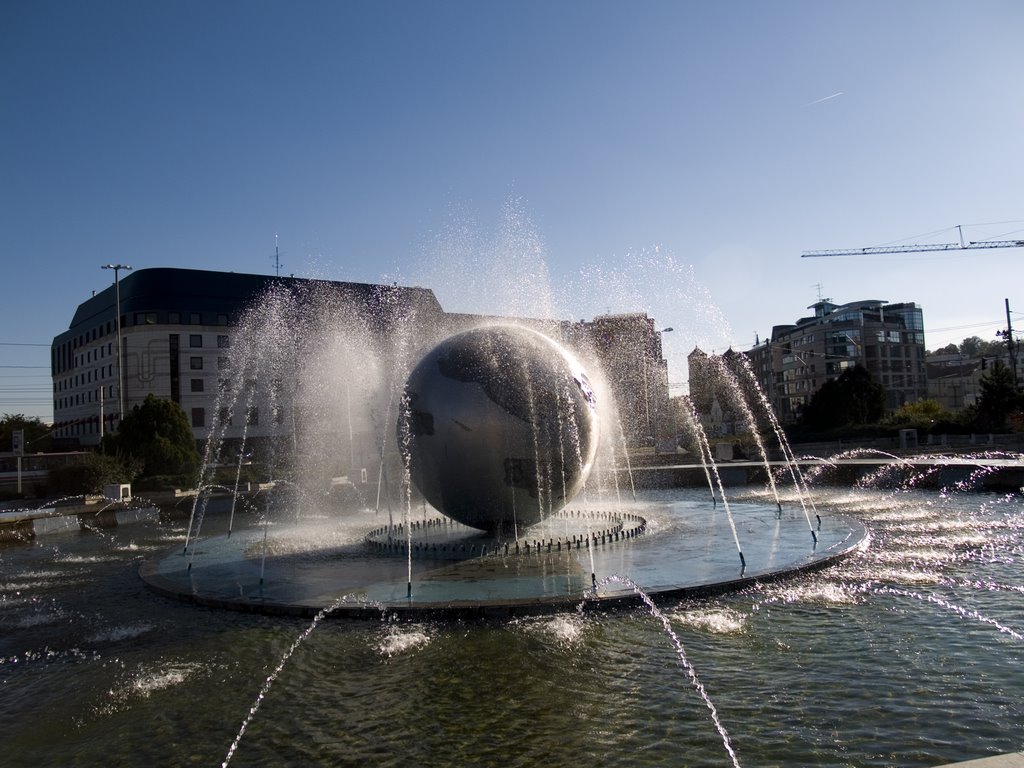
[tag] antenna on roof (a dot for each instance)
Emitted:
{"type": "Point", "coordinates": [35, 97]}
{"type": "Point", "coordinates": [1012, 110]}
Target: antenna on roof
{"type": "Point", "coordinates": [819, 286]}
{"type": "Point", "coordinates": [277, 257]}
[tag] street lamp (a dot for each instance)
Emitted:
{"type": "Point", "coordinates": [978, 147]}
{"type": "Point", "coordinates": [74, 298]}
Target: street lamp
{"type": "Point", "coordinates": [117, 325]}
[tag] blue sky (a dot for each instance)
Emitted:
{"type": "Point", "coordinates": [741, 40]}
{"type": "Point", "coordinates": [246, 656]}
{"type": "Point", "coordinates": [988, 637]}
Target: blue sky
{"type": "Point", "coordinates": [671, 157]}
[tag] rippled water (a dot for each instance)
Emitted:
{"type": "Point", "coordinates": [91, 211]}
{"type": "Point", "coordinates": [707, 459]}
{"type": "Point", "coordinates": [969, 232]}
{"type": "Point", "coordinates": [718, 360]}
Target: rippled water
{"type": "Point", "coordinates": [908, 654]}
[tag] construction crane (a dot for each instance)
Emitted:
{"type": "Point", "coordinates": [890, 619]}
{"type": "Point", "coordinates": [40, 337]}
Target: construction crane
{"type": "Point", "coordinates": [976, 245]}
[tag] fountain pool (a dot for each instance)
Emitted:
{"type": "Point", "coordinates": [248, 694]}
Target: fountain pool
{"type": "Point", "coordinates": [907, 653]}
{"type": "Point", "coordinates": [671, 548]}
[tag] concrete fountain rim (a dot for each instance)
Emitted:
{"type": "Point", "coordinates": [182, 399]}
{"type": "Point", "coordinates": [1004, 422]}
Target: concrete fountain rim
{"type": "Point", "coordinates": [166, 574]}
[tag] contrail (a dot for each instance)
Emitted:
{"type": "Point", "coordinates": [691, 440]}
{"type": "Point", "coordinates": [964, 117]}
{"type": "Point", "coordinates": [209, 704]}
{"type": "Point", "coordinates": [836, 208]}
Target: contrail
{"type": "Point", "coordinates": [826, 98]}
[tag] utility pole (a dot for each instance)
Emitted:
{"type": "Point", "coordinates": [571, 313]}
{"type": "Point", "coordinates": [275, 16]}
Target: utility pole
{"type": "Point", "coordinates": [117, 325]}
{"type": "Point", "coordinates": [1011, 348]}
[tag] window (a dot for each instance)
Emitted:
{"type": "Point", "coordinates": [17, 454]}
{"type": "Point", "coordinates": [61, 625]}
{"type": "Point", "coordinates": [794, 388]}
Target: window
{"type": "Point", "coordinates": [223, 341]}
{"type": "Point", "coordinates": [197, 385]}
{"type": "Point", "coordinates": [222, 319]}
{"type": "Point", "coordinates": [195, 318]}
{"type": "Point", "coordinates": [222, 363]}
{"type": "Point", "coordinates": [174, 318]}
{"type": "Point", "coordinates": [195, 363]}
{"type": "Point", "coordinates": [195, 340]}
{"type": "Point", "coordinates": [225, 416]}
{"type": "Point", "coordinates": [253, 417]}
{"type": "Point", "coordinates": [198, 417]}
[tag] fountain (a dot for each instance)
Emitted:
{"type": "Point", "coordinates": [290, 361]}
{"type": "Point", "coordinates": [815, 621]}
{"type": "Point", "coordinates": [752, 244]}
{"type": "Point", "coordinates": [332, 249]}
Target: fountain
{"type": "Point", "coordinates": [501, 427]}
{"type": "Point", "coordinates": [494, 496]}
{"type": "Point", "coordinates": [907, 652]}
{"type": "Point", "coordinates": [730, 633]}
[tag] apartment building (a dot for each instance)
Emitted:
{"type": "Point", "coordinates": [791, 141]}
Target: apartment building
{"type": "Point", "coordinates": [886, 338]}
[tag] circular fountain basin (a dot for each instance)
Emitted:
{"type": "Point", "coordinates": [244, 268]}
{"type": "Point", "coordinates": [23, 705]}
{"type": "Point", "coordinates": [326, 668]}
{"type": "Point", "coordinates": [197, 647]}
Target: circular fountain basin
{"type": "Point", "coordinates": [359, 568]}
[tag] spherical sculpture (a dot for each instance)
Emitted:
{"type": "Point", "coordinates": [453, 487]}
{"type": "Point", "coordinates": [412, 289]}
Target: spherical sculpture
{"type": "Point", "coordinates": [499, 426]}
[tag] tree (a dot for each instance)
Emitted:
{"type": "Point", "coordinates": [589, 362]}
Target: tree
{"type": "Point", "coordinates": [37, 434]}
{"type": "Point", "coordinates": [998, 399]}
{"type": "Point", "coordinates": [158, 433]}
{"type": "Point", "coordinates": [91, 473]}
{"type": "Point", "coordinates": [852, 398]}
{"type": "Point", "coordinates": [921, 414]}
{"type": "Point", "coordinates": [973, 347]}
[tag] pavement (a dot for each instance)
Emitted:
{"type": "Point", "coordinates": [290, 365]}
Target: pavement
{"type": "Point", "coordinates": [1011, 760]}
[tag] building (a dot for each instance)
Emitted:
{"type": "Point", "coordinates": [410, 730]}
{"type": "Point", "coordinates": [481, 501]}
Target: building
{"type": "Point", "coordinates": [886, 338]}
{"type": "Point", "coordinates": [713, 382]}
{"type": "Point", "coordinates": [628, 348]}
{"type": "Point", "coordinates": [954, 382]}
{"type": "Point", "coordinates": [177, 328]}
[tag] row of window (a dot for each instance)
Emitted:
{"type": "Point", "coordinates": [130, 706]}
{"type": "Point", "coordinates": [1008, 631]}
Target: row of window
{"type": "Point", "coordinates": [175, 318]}
{"type": "Point", "coordinates": [64, 357]}
{"type": "Point", "coordinates": [82, 379]}
{"type": "Point", "coordinates": [252, 416]}
{"type": "Point", "coordinates": [84, 398]}
{"type": "Point", "coordinates": [195, 340]}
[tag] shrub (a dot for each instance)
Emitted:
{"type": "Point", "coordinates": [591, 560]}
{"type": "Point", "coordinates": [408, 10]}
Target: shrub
{"type": "Point", "coordinates": [92, 473]}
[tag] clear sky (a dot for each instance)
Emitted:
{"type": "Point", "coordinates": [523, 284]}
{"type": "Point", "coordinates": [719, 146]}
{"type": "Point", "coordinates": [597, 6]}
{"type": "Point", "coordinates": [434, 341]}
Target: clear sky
{"type": "Point", "coordinates": [675, 157]}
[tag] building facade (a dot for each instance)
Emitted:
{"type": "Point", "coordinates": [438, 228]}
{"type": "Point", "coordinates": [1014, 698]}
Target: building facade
{"type": "Point", "coordinates": [178, 327]}
{"type": "Point", "coordinates": [176, 330]}
{"type": "Point", "coordinates": [886, 338]}
{"type": "Point", "coordinates": [629, 350]}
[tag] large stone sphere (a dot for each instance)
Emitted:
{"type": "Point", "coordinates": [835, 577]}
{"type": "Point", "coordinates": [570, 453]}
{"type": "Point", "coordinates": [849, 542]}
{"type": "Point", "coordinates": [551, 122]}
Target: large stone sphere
{"type": "Point", "coordinates": [500, 427]}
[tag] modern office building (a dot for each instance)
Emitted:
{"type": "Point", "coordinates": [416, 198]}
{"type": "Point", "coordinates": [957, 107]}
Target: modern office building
{"type": "Point", "coordinates": [886, 338]}
{"type": "Point", "coordinates": [175, 332]}
{"type": "Point", "coordinates": [177, 327]}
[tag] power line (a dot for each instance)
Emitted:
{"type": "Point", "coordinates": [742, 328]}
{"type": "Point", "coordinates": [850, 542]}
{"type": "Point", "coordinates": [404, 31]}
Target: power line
{"type": "Point", "coordinates": [961, 327]}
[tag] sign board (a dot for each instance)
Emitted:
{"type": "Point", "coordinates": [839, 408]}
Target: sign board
{"type": "Point", "coordinates": [18, 442]}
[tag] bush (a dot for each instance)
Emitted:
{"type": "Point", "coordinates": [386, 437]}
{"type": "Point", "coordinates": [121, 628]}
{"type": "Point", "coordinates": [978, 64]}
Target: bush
{"type": "Point", "coordinates": [92, 473]}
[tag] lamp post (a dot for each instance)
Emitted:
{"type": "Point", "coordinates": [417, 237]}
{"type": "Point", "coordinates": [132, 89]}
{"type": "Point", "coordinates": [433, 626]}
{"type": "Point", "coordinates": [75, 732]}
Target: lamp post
{"type": "Point", "coordinates": [117, 325]}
